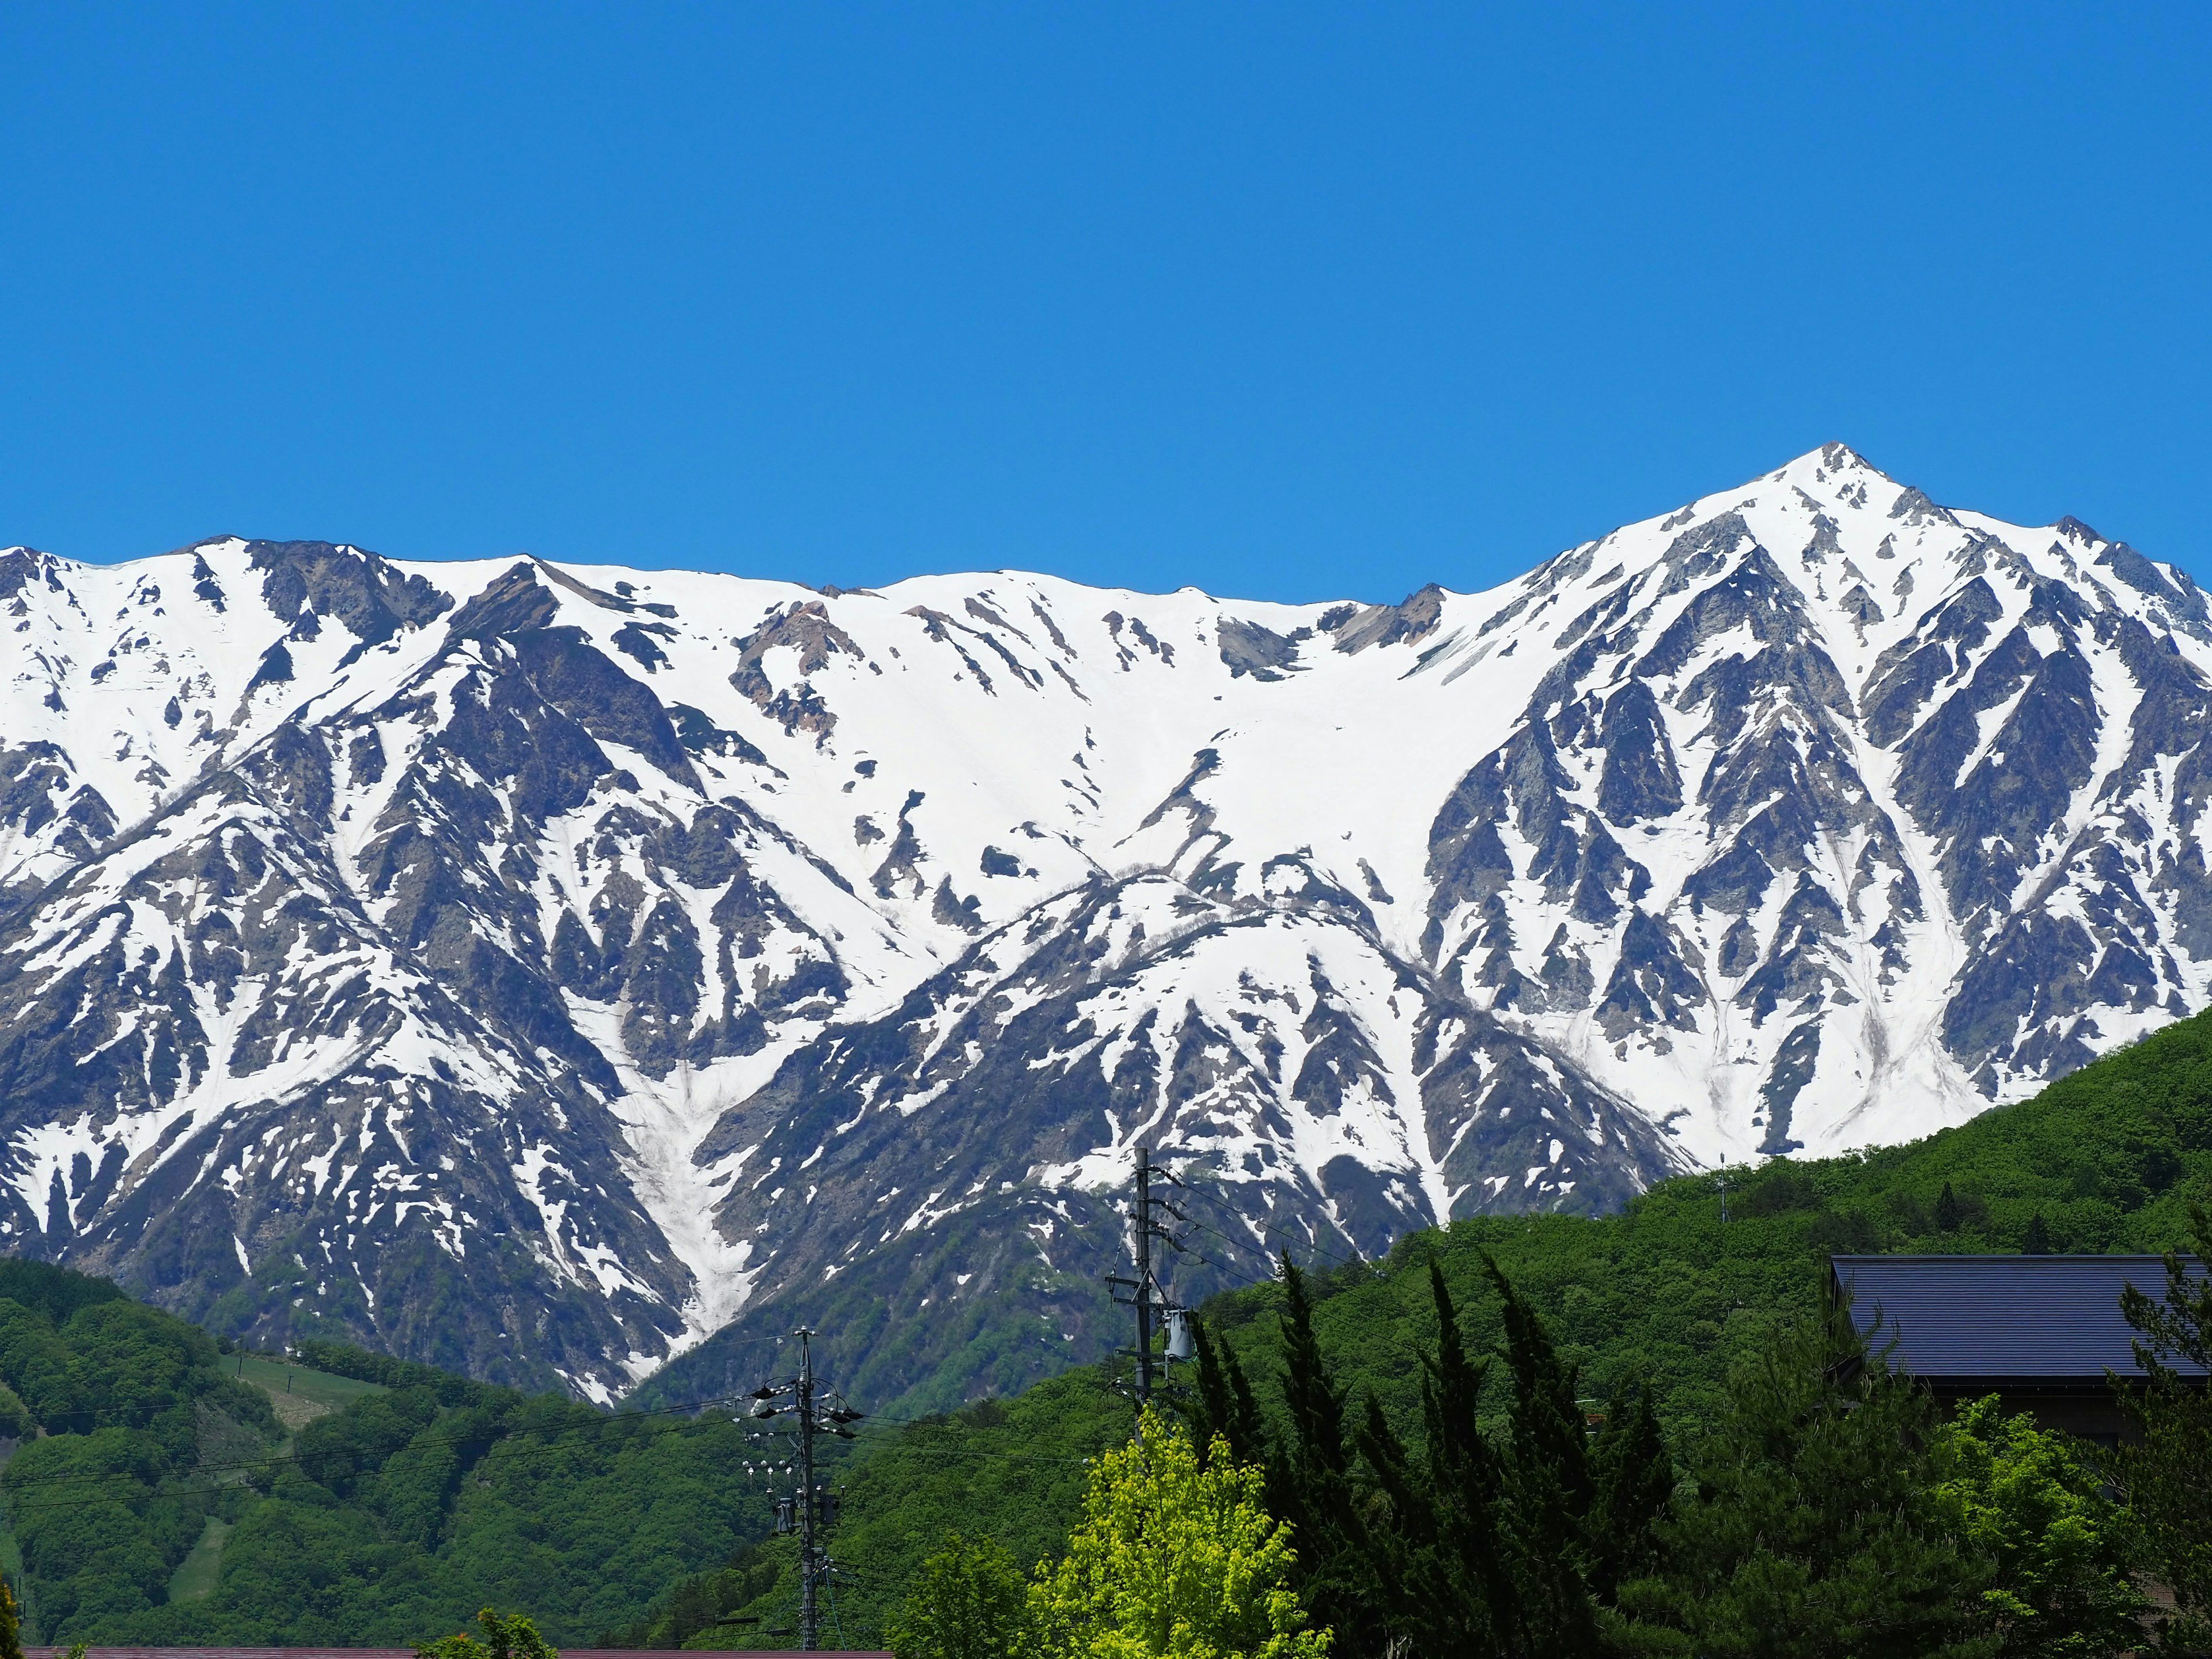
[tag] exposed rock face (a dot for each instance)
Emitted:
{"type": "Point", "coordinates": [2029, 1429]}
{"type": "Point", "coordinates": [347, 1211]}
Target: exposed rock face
{"type": "Point", "coordinates": [539, 971]}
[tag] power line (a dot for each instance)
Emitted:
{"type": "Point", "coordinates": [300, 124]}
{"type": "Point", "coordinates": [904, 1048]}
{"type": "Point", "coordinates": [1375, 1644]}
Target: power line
{"type": "Point", "coordinates": [1280, 1230]}
{"type": "Point", "coordinates": [488, 1438]}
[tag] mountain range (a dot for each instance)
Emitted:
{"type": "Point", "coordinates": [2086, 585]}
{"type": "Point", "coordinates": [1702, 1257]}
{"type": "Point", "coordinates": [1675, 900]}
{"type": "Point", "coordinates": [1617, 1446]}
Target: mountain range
{"type": "Point", "coordinates": [558, 972]}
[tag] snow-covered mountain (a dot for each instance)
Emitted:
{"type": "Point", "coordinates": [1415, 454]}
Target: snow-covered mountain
{"type": "Point", "coordinates": [535, 970]}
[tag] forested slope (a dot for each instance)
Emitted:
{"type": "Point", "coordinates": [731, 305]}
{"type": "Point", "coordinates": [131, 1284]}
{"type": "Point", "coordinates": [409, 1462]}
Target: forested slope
{"type": "Point", "coordinates": [162, 1496]}
{"type": "Point", "coordinates": [1673, 1291]}
{"type": "Point", "coordinates": [394, 1516]}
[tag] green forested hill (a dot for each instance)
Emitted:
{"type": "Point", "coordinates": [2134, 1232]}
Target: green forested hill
{"type": "Point", "coordinates": [167, 1492]}
{"type": "Point", "coordinates": [408, 1503]}
{"type": "Point", "coordinates": [1667, 1290]}
{"type": "Point", "coordinates": [2108, 1158]}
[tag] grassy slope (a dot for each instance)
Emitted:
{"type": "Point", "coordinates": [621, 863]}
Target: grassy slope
{"type": "Point", "coordinates": [2111, 1158]}
{"type": "Point", "coordinates": [197, 1573]}
{"type": "Point", "coordinates": [299, 1395]}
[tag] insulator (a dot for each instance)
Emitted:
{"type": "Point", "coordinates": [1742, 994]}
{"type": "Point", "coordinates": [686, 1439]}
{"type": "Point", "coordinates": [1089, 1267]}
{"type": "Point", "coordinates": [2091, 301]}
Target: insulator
{"type": "Point", "coordinates": [1179, 1345]}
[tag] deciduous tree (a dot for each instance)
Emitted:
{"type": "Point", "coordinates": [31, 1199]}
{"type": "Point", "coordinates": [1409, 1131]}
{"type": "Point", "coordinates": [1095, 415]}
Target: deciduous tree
{"type": "Point", "coordinates": [968, 1602]}
{"type": "Point", "coordinates": [1174, 1558]}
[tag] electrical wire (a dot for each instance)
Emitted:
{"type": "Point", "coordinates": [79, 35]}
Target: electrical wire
{"type": "Point", "coordinates": [487, 1439]}
{"type": "Point", "coordinates": [14, 1504]}
{"type": "Point", "coordinates": [1278, 1230]}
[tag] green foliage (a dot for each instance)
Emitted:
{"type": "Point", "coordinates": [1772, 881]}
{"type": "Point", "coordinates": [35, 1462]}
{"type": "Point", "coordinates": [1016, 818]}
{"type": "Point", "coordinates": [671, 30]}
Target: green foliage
{"type": "Point", "coordinates": [398, 1513]}
{"type": "Point", "coordinates": [100, 1536]}
{"type": "Point", "coordinates": [511, 1637]}
{"type": "Point", "coordinates": [106, 1504]}
{"type": "Point", "coordinates": [338, 1359]}
{"type": "Point", "coordinates": [1012, 1470]}
{"type": "Point", "coordinates": [16, 1420]}
{"type": "Point", "coordinates": [968, 1601]}
{"type": "Point", "coordinates": [1310, 1478]}
{"type": "Point", "coordinates": [57, 1293]}
{"type": "Point", "coordinates": [2057, 1549]}
{"type": "Point", "coordinates": [1502, 1542]}
{"type": "Point", "coordinates": [1174, 1555]}
{"type": "Point", "coordinates": [11, 1625]}
{"type": "Point", "coordinates": [1819, 1525]}
{"type": "Point", "coordinates": [2169, 1474]}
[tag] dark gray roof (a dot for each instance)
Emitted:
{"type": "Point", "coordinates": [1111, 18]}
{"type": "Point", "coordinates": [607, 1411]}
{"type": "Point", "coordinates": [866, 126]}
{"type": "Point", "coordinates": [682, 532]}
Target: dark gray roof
{"type": "Point", "coordinates": [2051, 1316]}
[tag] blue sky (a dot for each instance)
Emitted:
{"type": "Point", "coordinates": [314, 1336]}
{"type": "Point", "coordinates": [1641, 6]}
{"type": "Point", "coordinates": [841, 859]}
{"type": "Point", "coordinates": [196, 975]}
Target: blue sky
{"type": "Point", "coordinates": [1287, 301]}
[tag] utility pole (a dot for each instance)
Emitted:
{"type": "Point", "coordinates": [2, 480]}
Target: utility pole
{"type": "Point", "coordinates": [1144, 1277]}
{"type": "Point", "coordinates": [1145, 1296]}
{"type": "Point", "coordinates": [810, 1619]}
{"type": "Point", "coordinates": [819, 1410]}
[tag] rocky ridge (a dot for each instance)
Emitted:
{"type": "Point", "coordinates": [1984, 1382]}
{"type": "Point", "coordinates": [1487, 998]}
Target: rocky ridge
{"type": "Point", "coordinates": [537, 971]}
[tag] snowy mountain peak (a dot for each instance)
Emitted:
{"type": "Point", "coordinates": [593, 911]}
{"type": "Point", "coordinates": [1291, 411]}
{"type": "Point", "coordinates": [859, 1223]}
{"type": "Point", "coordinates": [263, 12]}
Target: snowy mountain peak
{"type": "Point", "coordinates": [598, 956]}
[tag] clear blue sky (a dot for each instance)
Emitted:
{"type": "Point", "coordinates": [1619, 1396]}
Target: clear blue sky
{"type": "Point", "coordinates": [1281, 300]}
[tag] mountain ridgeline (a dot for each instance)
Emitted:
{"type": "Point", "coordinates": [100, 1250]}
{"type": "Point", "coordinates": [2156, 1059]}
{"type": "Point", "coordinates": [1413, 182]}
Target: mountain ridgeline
{"type": "Point", "coordinates": [552, 974]}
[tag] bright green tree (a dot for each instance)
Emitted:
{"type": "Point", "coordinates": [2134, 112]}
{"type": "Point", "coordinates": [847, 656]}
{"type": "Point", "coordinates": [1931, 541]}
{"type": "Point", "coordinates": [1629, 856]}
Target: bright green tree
{"type": "Point", "coordinates": [2061, 1550]}
{"type": "Point", "coordinates": [511, 1637]}
{"type": "Point", "coordinates": [1175, 1556]}
{"type": "Point", "coordinates": [968, 1602]}
{"type": "Point", "coordinates": [11, 1623]}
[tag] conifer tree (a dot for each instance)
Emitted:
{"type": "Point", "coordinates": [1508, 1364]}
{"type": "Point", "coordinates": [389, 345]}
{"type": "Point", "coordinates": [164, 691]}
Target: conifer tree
{"type": "Point", "coordinates": [1437, 1551]}
{"type": "Point", "coordinates": [2169, 1473]}
{"type": "Point", "coordinates": [1818, 1529]}
{"type": "Point", "coordinates": [1949, 1212]}
{"type": "Point", "coordinates": [1226, 1407]}
{"type": "Point", "coordinates": [1310, 1483]}
{"type": "Point", "coordinates": [1633, 1478]}
{"type": "Point", "coordinates": [1551, 1485]}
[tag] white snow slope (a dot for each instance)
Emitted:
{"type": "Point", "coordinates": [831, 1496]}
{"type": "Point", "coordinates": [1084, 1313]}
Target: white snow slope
{"type": "Point", "coordinates": [608, 950]}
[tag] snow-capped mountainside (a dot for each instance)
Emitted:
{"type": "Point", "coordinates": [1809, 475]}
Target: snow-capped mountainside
{"type": "Point", "coordinates": [535, 971]}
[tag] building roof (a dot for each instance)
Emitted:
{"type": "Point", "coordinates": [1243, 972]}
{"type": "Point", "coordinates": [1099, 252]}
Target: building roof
{"type": "Point", "coordinates": [1992, 1317]}
{"type": "Point", "coordinates": [410, 1653]}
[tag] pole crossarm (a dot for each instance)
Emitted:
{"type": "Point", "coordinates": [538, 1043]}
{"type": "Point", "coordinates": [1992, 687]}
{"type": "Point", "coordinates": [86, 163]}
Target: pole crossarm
{"type": "Point", "coordinates": [817, 1410]}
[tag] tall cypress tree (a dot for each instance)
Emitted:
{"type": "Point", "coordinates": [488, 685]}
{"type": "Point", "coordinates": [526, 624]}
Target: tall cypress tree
{"type": "Point", "coordinates": [1632, 1476]}
{"type": "Point", "coordinates": [1319, 1461]}
{"type": "Point", "coordinates": [1551, 1484]}
{"type": "Point", "coordinates": [1467, 1481]}
{"type": "Point", "coordinates": [1949, 1212]}
{"type": "Point", "coordinates": [1434, 1543]}
{"type": "Point", "coordinates": [1310, 1485]}
{"type": "Point", "coordinates": [1225, 1405]}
